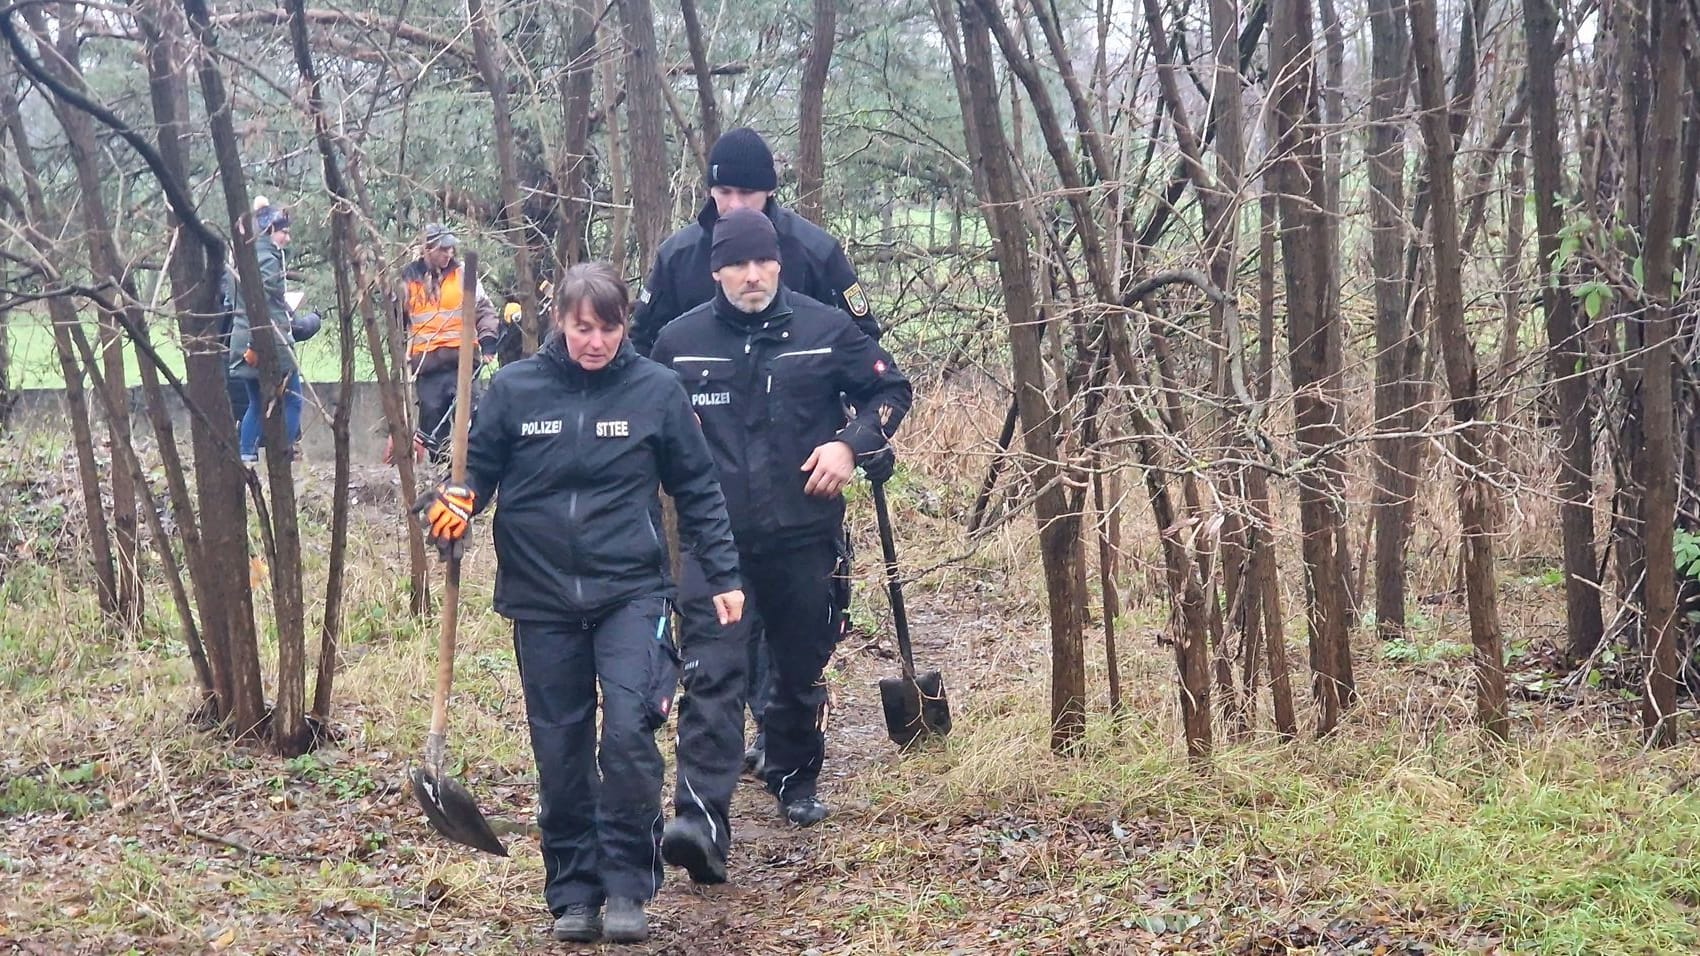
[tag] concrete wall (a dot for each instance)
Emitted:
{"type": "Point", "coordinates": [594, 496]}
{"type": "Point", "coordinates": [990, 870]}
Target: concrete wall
{"type": "Point", "coordinates": [42, 410]}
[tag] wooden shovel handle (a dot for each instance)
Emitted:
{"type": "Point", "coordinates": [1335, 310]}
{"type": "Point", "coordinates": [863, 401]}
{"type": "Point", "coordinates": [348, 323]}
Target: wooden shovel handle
{"type": "Point", "coordinates": [457, 474]}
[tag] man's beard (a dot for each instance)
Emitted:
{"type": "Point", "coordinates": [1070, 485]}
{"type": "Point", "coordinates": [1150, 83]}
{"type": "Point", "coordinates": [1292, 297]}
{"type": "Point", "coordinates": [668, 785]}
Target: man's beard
{"type": "Point", "coordinates": [742, 303]}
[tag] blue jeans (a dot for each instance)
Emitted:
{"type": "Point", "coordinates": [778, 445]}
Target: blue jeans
{"type": "Point", "coordinates": [249, 433]}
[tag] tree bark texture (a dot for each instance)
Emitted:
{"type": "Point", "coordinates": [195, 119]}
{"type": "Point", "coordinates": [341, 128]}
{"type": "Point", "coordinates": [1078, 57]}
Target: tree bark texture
{"type": "Point", "coordinates": [811, 152]}
{"type": "Point", "coordinates": [218, 555]}
{"type": "Point", "coordinates": [1297, 171]}
{"type": "Point", "coordinates": [1059, 531]}
{"type": "Point", "coordinates": [650, 165]}
{"type": "Point", "coordinates": [104, 261]}
{"type": "Point", "coordinates": [1394, 395]}
{"type": "Point", "coordinates": [1654, 370]}
{"type": "Point", "coordinates": [575, 88]}
{"type": "Point", "coordinates": [288, 726]}
{"type": "Point", "coordinates": [345, 262]}
{"type": "Point", "coordinates": [1567, 347]}
{"type": "Point", "coordinates": [516, 230]}
{"type": "Point", "coordinates": [1475, 489]}
{"type": "Point", "coordinates": [64, 316]}
{"type": "Point", "coordinates": [707, 105]}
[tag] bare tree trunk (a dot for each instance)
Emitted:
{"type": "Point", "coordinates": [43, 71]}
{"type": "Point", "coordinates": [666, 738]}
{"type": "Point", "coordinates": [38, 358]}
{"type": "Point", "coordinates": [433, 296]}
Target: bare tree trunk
{"type": "Point", "coordinates": [1059, 532]}
{"type": "Point", "coordinates": [218, 552]}
{"type": "Point", "coordinates": [105, 263]}
{"type": "Point", "coordinates": [1394, 484]}
{"type": "Point", "coordinates": [1567, 357]}
{"type": "Point", "coordinates": [811, 159]}
{"type": "Point", "coordinates": [1265, 577]}
{"type": "Point", "coordinates": [1109, 547]}
{"type": "Point", "coordinates": [224, 546]}
{"type": "Point", "coordinates": [1511, 322]}
{"type": "Point", "coordinates": [706, 103]}
{"type": "Point", "coordinates": [575, 88]}
{"type": "Point", "coordinates": [618, 194]}
{"type": "Point", "coordinates": [1238, 530]}
{"type": "Point", "coordinates": [64, 318]}
{"type": "Point", "coordinates": [1475, 489]}
{"type": "Point", "coordinates": [124, 456]}
{"type": "Point", "coordinates": [1333, 148]}
{"type": "Point", "coordinates": [1298, 174]}
{"type": "Point", "coordinates": [651, 199]}
{"type": "Point", "coordinates": [345, 256]}
{"type": "Point", "coordinates": [517, 230]}
{"type": "Point", "coordinates": [1653, 371]}
{"type": "Point", "coordinates": [289, 731]}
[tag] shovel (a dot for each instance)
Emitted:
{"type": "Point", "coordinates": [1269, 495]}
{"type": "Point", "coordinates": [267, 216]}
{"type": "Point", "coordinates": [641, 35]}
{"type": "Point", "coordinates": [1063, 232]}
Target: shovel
{"type": "Point", "coordinates": [915, 707]}
{"type": "Point", "coordinates": [448, 805]}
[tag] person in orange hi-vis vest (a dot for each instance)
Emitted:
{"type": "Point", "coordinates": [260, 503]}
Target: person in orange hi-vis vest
{"type": "Point", "coordinates": [435, 288]}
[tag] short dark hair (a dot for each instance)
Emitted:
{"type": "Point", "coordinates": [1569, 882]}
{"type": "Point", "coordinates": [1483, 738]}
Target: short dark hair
{"type": "Point", "coordinates": [598, 284]}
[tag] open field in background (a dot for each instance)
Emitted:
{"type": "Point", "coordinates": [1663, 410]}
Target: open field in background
{"type": "Point", "coordinates": [127, 830]}
{"type": "Point", "coordinates": [35, 363]}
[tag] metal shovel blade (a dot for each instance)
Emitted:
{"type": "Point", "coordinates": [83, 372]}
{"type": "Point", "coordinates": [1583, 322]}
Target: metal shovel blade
{"type": "Point", "coordinates": [915, 709]}
{"type": "Point", "coordinates": [452, 811]}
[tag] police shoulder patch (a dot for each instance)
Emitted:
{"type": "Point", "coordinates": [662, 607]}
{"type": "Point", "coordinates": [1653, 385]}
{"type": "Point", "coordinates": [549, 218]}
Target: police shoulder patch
{"type": "Point", "coordinates": [856, 299]}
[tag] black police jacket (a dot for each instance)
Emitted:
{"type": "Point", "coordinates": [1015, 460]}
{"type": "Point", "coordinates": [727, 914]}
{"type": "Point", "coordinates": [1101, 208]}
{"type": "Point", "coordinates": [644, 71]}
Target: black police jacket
{"type": "Point", "coordinates": [573, 460]}
{"type": "Point", "coordinates": [766, 387]}
{"type": "Point", "coordinates": [810, 260]}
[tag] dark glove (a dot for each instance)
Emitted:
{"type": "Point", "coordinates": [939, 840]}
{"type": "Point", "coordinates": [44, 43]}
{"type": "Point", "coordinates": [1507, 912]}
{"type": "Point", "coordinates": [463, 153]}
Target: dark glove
{"type": "Point", "coordinates": [880, 465]}
{"type": "Point", "coordinates": [446, 511]}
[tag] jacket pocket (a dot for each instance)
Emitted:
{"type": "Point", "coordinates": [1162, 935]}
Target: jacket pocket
{"type": "Point", "coordinates": [661, 684]}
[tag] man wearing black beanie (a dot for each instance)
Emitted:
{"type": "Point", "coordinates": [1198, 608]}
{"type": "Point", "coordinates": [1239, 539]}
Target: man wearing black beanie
{"type": "Point", "coordinates": [741, 175]}
{"type": "Point", "coordinates": [767, 371]}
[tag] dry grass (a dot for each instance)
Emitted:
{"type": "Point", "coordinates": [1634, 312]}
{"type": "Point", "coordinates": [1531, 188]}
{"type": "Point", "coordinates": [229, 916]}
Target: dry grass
{"type": "Point", "coordinates": [1402, 829]}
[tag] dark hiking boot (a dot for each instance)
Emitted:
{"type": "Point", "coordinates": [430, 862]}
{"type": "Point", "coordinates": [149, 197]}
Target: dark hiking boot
{"type": "Point", "coordinates": [686, 843]}
{"type": "Point", "coordinates": [578, 923]}
{"type": "Point", "coordinates": [805, 811]}
{"type": "Point", "coordinates": [625, 922]}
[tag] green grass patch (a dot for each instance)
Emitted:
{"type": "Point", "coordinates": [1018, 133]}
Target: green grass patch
{"type": "Point", "coordinates": [55, 793]}
{"type": "Point", "coordinates": [1562, 846]}
{"type": "Point", "coordinates": [35, 362]}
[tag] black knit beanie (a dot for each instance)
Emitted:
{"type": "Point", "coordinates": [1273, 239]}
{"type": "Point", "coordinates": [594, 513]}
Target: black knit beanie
{"type": "Point", "coordinates": [740, 158]}
{"type": "Point", "coordinates": [740, 236]}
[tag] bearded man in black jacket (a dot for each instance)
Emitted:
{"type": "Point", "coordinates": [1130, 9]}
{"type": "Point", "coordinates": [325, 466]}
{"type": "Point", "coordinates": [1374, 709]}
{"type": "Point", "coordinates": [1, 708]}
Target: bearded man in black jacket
{"type": "Point", "coordinates": [765, 369]}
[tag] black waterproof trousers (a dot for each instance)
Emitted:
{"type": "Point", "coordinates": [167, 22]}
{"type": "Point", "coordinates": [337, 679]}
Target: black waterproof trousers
{"type": "Point", "coordinates": [435, 391]}
{"type": "Point", "coordinates": [600, 809]}
{"type": "Point", "coordinates": [796, 598]}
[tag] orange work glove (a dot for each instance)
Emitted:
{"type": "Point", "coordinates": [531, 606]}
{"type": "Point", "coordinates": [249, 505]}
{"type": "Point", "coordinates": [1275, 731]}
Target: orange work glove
{"type": "Point", "coordinates": [446, 511]}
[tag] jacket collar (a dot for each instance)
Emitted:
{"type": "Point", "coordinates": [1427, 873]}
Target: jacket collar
{"type": "Point", "coordinates": [777, 313]}
{"type": "Point", "coordinates": [554, 352]}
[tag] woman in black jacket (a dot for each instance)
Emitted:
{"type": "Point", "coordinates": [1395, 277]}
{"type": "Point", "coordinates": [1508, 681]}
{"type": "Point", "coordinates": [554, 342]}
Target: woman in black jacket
{"type": "Point", "coordinates": [575, 440]}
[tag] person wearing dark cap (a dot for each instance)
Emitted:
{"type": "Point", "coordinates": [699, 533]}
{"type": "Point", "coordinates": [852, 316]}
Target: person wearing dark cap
{"type": "Point", "coordinates": [272, 225]}
{"type": "Point", "coordinates": [765, 368]}
{"type": "Point", "coordinates": [435, 290]}
{"type": "Point", "coordinates": [741, 175]}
